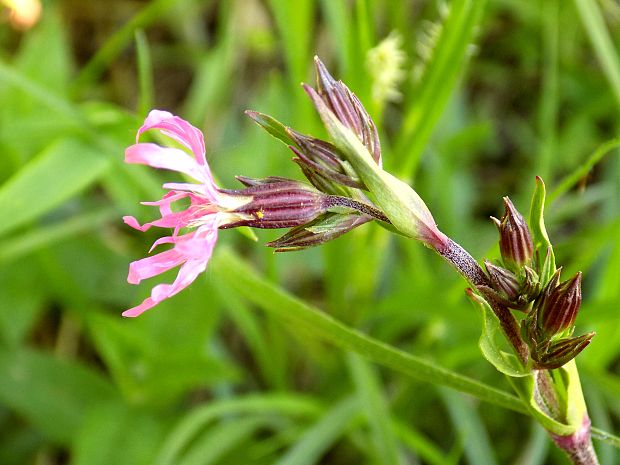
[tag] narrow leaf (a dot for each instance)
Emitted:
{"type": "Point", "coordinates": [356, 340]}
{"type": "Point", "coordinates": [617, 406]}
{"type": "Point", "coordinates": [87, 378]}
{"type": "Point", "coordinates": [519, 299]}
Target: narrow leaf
{"type": "Point", "coordinates": [267, 296]}
{"type": "Point", "coordinates": [32, 191]}
{"type": "Point", "coordinates": [52, 394]}
{"type": "Point", "coordinates": [542, 244]}
{"type": "Point", "coordinates": [272, 126]}
{"type": "Point", "coordinates": [375, 407]}
{"type": "Point", "coordinates": [323, 434]}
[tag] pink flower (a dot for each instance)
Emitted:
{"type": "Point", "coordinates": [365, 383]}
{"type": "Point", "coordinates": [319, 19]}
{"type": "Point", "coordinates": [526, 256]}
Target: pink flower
{"type": "Point", "coordinates": [208, 209]}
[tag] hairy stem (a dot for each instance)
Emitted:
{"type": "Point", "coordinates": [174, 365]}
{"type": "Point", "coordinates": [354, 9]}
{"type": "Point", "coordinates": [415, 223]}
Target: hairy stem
{"type": "Point", "coordinates": [338, 201]}
{"type": "Point", "coordinates": [464, 263]}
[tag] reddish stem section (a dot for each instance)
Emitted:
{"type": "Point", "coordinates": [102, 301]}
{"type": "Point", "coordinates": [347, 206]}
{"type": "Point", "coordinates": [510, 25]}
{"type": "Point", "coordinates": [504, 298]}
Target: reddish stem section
{"type": "Point", "coordinates": [578, 446]}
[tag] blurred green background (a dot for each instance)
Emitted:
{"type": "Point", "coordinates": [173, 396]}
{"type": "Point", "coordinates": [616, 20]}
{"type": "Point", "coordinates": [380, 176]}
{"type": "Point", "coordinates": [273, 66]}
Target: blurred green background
{"type": "Point", "coordinates": [487, 95]}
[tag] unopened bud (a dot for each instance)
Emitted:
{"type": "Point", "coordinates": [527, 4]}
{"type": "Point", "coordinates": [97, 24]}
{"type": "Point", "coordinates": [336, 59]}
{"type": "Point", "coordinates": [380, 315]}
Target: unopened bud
{"type": "Point", "coordinates": [559, 305]}
{"type": "Point", "coordinates": [503, 281]}
{"type": "Point", "coordinates": [323, 229]}
{"type": "Point", "coordinates": [399, 202]}
{"type": "Point", "coordinates": [322, 163]}
{"type": "Point", "coordinates": [277, 203]}
{"type": "Point", "coordinates": [560, 352]}
{"type": "Point", "coordinates": [515, 240]}
{"type": "Point", "coordinates": [348, 109]}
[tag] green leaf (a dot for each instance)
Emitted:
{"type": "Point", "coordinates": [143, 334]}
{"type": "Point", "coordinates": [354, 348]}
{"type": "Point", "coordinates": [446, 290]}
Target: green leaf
{"type": "Point", "coordinates": [376, 410]}
{"type": "Point", "coordinates": [576, 409]}
{"type": "Point", "coordinates": [276, 301]}
{"type": "Point", "coordinates": [45, 55]}
{"type": "Point", "coordinates": [542, 244]}
{"type": "Point", "coordinates": [602, 42]}
{"type": "Point", "coordinates": [221, 439]}
{"type": "Point", "coordinates": [294, 22]}
{"type": "Point", "coordinates": [420, 445]}
{"type": "Point", "coordinates": [323, 434]}
{"type": "Point", "coordinates": [24, 244]}
{"type": "Point", "coordinates": [504, 362]}
{"type": "Point", "coordinates": [272, 126]}
{"type": "Point", "coordinates": [54, 395]}
{"type": "Point", "coordinates": [197, 420]}
{"type": "Point", "coordinates": [438, 81]}
{"type": "Point", "coordinates": [584, 168]}
{"type": "Point", "coordinates": [117, 42]}
{"type": "Point", "coordinates": [22, 299]}
{"type": "Point", "coordinates": [572, 400]}
{"type": "Point", "coordinates": [169, 362]}
{"type": "Point", "coordinates": [470, 427]}
{"type": "Point", "coordinates": [145, 73]}
{"type": "Point", "coordinates": [34, 191]}
{"type": "Point", "coordinates": [119, 434]}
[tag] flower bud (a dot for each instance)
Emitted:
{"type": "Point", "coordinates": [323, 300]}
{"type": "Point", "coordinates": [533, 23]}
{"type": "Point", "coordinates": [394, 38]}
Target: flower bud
{"type": "Point", "coordinates": [276, 203]}
{"type": "Point", "coordinates": [402, 205]}
{"type": "Point", "coordinates": [323, 229]}
{"type": "Point", "coordinates": [348, 109]}
{"type": "Point", "coordinates": [515, 240]}
{"type": "Point", "coordinates": [502, 280]}
{"type": "Point", "coordinates": [322, 163]}
{"type": "Point", "coordinates": [558, 307]}
{"type": "Point", "coordinates": [560, 352]}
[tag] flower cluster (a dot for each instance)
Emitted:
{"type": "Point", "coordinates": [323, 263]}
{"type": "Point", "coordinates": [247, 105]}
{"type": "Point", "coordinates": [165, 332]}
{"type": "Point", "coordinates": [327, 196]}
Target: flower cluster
{"type": "Point", "coordinates": [516, 283]}
{"type": "Point", "coordinates": [336, 201]}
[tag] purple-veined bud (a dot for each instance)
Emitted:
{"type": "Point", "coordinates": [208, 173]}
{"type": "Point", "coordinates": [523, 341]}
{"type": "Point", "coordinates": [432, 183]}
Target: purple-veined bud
{"type": "Point", "coordinates": [560, 352]}
{"type": "Point", "coordinates": [515, 240]}
{"type": "Point", "coordinates": [558, 307]}
{"type": "Point", "coordinates": [348, 109]}
{"type": "Point", "coordinates": [276, 203]}
{"type": "Point", "coordinates": [323, 229]}
{"type": "Point", "coordinates": [322, 163]}
{"type": "Point", "coordinates": [402, 205]}
{"type": "Point", "coordinates": [503, 280]}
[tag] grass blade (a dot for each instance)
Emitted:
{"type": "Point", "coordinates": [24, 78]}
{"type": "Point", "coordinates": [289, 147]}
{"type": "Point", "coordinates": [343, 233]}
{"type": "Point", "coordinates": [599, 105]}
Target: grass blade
{"type": "Point", "coordinates": [318, 438]}
{"type": "Point", "coordinates": [374, 405]}
{"type": "Point", "coordinates": [603, 44]}
{"type": "Point", "coordinates": [437, 82]}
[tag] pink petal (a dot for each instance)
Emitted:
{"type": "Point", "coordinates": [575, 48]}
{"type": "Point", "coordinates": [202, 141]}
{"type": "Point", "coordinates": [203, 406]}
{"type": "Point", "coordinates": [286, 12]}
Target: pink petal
{"type": "Point", "coordinates": [154, 265]}
{"type": "Point", "coordinates": [178, 129]}
{"type": "Point", "coordinates": [140, 309]}
{"type": "Point", "coordinates": [167, 158]}
{"type": "Point", "coordinates": [187, 275]}
{"type": "Point", "coordinates": [170, 221]}
{"type": "Point", "coordinates": [195, 250]}
{"type": "Point", "coordinates": [131, 221]}
{"type": "Point", "coordinates": [204, 189]}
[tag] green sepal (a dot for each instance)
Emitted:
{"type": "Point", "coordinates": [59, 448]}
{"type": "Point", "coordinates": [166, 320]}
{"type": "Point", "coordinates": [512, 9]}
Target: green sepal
{"type": "Point", "coordinates": [489, 345]}
{"type": "Point", "coordinates": [272, 126]}
{"type": "Point", "coordinates": [542, 244]}
{"type": "Point", "coordinates": [247, 232]}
